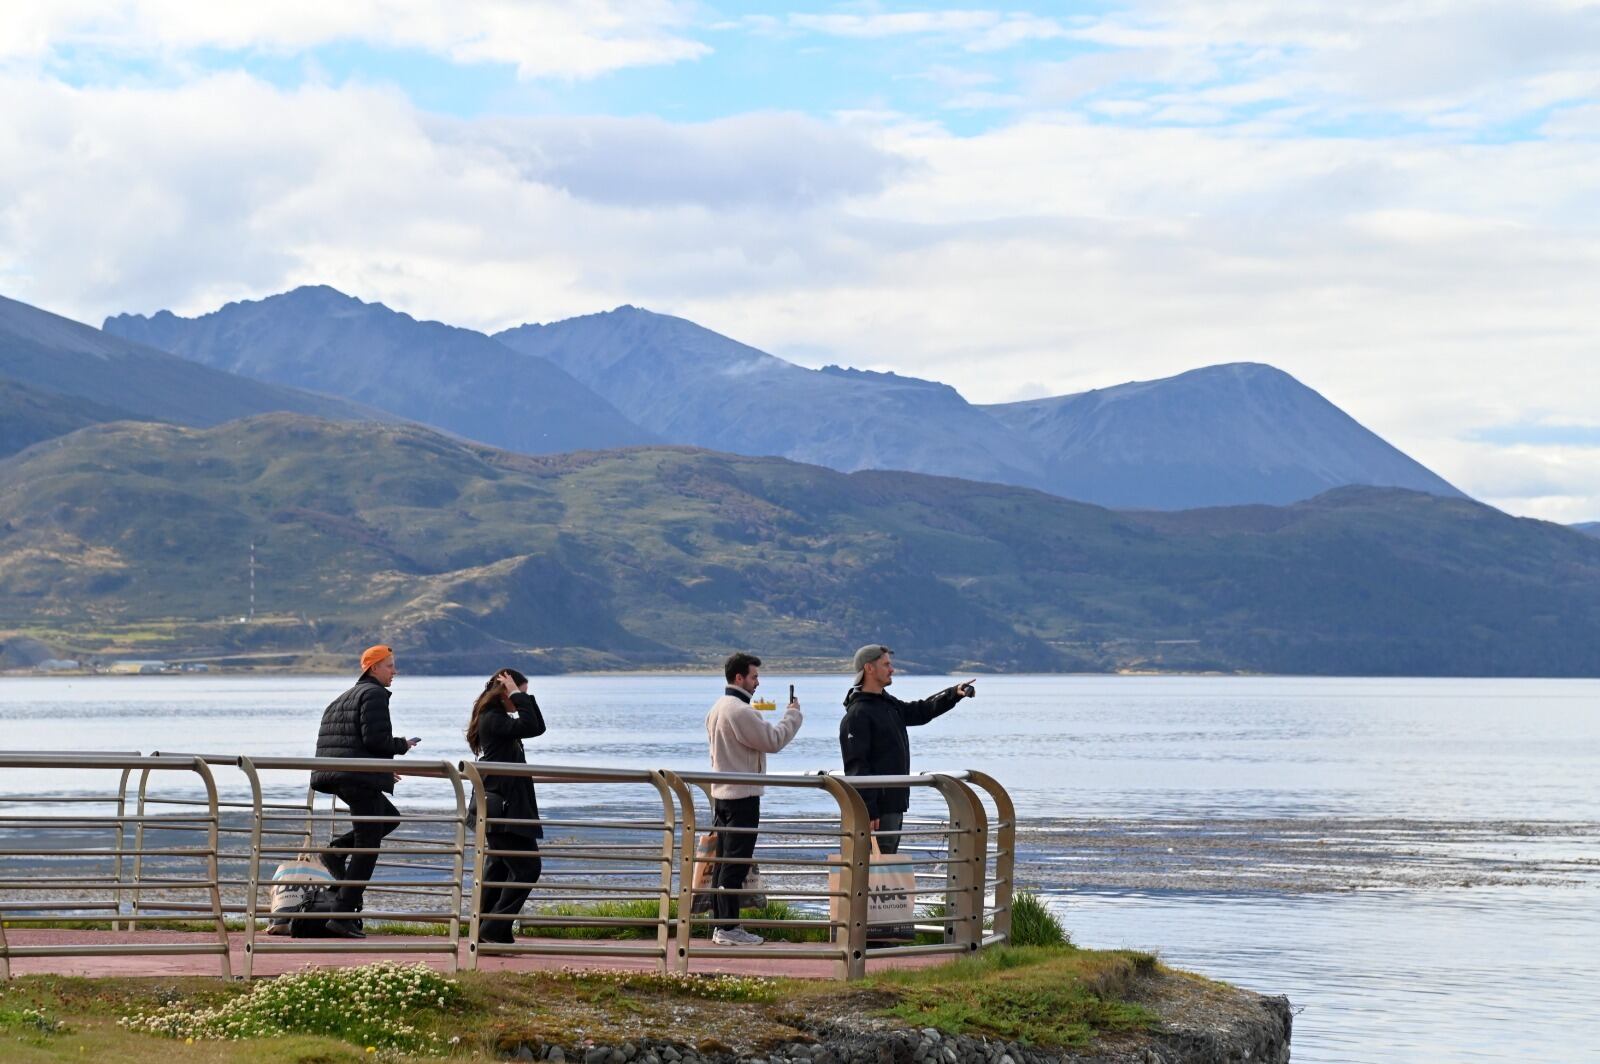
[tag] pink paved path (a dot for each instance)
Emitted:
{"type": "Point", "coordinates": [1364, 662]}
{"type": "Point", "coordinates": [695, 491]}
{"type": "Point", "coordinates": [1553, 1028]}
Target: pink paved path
{"type": "Point", "coordinates": [766, 960]}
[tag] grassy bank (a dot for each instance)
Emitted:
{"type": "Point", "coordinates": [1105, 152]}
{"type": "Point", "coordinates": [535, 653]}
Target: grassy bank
{"type": "Point", "coordinates": [1053, 996]}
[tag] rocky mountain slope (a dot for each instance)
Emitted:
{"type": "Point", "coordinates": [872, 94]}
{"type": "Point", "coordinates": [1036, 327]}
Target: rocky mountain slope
{"type": "Point", "coordinates": [453, 379]}
{"type": "Point", "coordinates": [1217, 436]}
{"type": "Point", "coordinates": [57, 374]}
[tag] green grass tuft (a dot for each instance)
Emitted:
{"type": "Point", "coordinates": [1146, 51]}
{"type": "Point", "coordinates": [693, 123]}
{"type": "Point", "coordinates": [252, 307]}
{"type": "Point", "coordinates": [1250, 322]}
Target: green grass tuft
{"type": "Point", "coordinates": [1033, 924]}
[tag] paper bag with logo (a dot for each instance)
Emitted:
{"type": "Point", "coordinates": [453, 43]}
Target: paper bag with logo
{"type": "Point", "coordinates": [705, 851]}
{"type": "Point", "coordinates": [891, 890]}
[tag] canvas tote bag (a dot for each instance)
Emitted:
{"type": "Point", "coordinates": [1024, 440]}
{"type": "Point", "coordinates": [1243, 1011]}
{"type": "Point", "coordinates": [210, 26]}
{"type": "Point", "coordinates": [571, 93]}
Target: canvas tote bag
{"type": "Point", "coordinates": [891, 891]}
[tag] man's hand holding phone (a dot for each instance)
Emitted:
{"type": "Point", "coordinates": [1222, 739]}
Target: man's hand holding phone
{"type": "Point", "coordinates": [967, 690]}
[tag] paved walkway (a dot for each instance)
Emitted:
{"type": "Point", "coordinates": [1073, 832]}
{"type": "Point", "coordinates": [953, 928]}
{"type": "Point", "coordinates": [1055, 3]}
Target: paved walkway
{"type": "Point", "coordinates": [765, 960]}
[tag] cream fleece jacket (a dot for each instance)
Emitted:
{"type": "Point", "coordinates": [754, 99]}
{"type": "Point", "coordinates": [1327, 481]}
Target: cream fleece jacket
{"type": "Point", "coordinates": [741, 740]}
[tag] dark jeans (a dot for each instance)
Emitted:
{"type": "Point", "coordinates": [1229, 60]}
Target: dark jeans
{"type": "Point", "coordinates": [890, 822]}
{"type": "Point", "coordinates": [733, 813]}
{"type": "Point", "coordinates": [363, 801]}
{"type": "Point", "coordinates": [521, 867]}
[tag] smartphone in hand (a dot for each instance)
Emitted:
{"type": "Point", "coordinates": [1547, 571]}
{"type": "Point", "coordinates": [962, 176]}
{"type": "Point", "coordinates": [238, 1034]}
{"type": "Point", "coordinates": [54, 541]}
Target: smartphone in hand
{"type": "Point", "coordinates": [791, 692]}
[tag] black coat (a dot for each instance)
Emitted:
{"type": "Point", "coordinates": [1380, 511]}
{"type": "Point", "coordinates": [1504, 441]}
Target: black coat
{"type": "Point", "coordinates": [356, 724]}
{"type": "Point", "coordinates": [500, 736]}
{"type": "Point", "coordinates": [872, 737]}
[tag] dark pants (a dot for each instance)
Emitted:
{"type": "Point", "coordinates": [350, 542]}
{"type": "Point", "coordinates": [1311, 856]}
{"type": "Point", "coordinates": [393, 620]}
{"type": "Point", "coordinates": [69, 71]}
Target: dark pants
{"type": "Point", "coordinates": [890, 822]}
{"type": "Point", "coordinates": [362, 802]}
{"type": "Point", "coordinates": [521, 867]}
{"type": "Point", "coordinates": [733, 813]}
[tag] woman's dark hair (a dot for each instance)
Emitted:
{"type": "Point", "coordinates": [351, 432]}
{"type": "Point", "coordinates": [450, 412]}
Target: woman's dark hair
{"type": "Point", "coordinates": [493, 694]}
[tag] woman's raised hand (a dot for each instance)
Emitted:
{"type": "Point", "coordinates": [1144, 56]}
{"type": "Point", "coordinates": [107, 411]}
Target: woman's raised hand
{"type": "Point", "coordinates": [509, 684]}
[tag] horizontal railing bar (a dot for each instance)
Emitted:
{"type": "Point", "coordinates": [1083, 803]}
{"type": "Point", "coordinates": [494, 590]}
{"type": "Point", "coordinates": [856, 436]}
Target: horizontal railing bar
{"type": "Point", "coordinates": [109, 949]}
{"type": "Point", "coordinates": [914, 951]}
{"type": "Point", "coordinates": [577, 947]}
{"type": "Point", "coordinates": [416, 944]}
{"type": "Point", "coordinates": [106, 853]}
{"type": "Point", "coordinates": [797, 952]}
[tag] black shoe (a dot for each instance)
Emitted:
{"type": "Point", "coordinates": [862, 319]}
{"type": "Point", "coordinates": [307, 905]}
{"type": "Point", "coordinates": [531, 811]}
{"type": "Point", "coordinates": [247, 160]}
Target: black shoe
{"type": "Point", "coordinates": [345, 929]}
{"type": "Point", "coordinates": [499, 932]}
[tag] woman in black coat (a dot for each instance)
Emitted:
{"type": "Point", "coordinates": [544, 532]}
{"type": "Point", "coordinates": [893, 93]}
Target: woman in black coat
{"type": "Point", "coordinates": [503, 716]}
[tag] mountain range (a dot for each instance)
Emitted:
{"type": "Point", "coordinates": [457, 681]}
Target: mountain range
{"type": "Point", "coordinates": [1219, 435]}
{"type": "Point", "coordinates": [469, 557]}
{"type": "Point", "coordinates": [57, 375]}
{"type": "Point", "coordinates": [451, 378]}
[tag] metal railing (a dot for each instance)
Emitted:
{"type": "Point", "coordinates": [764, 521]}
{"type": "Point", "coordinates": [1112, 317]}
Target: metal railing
{"type": "Point", "coordinates": [180, 845]}
{"type": "Point", "coordinates": [62, 856]}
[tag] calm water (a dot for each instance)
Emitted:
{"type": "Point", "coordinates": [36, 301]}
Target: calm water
{"type": "Point", "coordinates": [1506, 970]}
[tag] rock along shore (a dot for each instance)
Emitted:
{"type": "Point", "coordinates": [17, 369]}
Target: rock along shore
{"type": "Point", "coordinates": [1200, 1023]}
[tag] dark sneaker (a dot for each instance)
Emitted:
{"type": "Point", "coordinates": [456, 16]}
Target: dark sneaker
{"type": "Point", "coordinates": [345, 929]}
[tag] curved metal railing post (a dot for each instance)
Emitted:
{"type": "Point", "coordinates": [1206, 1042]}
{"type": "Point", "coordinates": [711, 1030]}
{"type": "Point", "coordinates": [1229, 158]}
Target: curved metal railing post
{"type": "Point", "coordinates": [213, 822]}
{"type": "Point", "coordinates": [480, 843]}
{"type": "Point", "coordinates": [685, 850]}
{"type": "Point", "coordinates": [1004, 833]}
{"type": "Point", "coordinates": [672, 792]}
{"type": "Point", "coordinates": [122, 831]}
{"type": "Point", "coordinates": [138, 850]}
{"type": "Point", "coordinates": [855, 847]}
{"type": "Point", "coordinates": [964, 870]}
{"type": "Point", "coordinates": [252, 876]}
{"type": "Point", "coordinates": [458, 852]}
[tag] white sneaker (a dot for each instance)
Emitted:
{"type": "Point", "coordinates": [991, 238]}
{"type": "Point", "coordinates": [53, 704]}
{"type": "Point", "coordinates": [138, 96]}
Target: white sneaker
{"type": "Point", "coordinates": [735, 936]}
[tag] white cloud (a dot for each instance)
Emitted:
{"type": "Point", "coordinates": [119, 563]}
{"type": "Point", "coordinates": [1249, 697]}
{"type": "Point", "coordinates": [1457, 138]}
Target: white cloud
{"type": "Point", "coordinates": [541, 38]}
{"type": "Point", "coordinates": [1432, 289]}
{"type": "Point", "coordinates": [775, 160]}
{"type": "Point", "coordinates": [1452, 64]}
{"type": "Point", "coordinates": [980, 30]}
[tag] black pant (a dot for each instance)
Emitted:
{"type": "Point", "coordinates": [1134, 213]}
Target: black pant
{"type": "Point", "coordinates": [523, 867]}
{"type": "Point", "coordinates": [890, 822]}
{"type": "Point", "coordinates": [733, 813]}
{"type": "Point", "coordinates": [362, 802]}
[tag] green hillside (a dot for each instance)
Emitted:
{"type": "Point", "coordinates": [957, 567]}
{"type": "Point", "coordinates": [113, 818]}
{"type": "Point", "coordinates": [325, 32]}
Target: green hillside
{"type": "Point", "coordinates": [28, 415]}
{"type": "Point", "coordinates": [135, 536]}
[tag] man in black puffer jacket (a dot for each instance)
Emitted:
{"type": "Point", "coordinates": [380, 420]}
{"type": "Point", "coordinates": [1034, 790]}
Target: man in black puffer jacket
{"type": "Point", "coordinates": [356, 724]}
{"type": "Point", "coordinates": [873, 739]}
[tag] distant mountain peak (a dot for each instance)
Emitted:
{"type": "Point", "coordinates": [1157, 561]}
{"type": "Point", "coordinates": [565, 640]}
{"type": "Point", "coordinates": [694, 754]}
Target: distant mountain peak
{"type": "Point", "coordinates": [1237, 432]}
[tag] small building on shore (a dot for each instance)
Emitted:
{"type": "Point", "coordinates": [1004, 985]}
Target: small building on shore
{"type": "Point", "coordinates": [134, 667]}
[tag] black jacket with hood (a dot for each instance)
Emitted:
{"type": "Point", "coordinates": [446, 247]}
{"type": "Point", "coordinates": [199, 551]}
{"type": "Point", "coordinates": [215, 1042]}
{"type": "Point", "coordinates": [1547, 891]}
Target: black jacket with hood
{"type": "Point", "coordinates": [872, 737]}
{"type": "Point", "coordinates": [356, 724]}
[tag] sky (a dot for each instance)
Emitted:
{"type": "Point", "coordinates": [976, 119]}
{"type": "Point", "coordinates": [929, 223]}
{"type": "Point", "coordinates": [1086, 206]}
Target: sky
{"type": "Point", "coordinates": [1397, 202]}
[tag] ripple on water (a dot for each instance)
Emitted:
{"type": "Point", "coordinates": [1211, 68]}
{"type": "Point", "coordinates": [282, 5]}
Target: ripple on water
{"type": "Point", "coordinates": [1503, 974]}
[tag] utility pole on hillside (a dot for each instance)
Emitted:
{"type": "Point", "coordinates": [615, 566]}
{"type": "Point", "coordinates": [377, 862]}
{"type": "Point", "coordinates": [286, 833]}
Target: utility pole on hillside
{"type": "Point", "coordinates": [252, 614]}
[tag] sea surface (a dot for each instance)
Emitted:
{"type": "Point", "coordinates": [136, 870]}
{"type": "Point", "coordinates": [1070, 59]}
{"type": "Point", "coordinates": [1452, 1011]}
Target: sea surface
{"type": "Point", "coordinates": [1415, 863]}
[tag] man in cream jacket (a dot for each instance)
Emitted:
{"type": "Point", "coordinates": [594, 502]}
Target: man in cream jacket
{"type": "Point", "coordinates": [740, 741]}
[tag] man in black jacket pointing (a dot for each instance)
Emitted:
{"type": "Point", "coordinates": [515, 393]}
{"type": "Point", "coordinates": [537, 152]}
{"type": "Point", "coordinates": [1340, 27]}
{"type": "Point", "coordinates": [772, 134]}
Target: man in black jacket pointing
{"type": "Point", "coordinates": [356, 724]}
{"type": "Point", "coordinates": [872, 736]}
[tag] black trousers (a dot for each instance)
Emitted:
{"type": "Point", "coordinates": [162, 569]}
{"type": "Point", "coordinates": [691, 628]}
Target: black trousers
{"type": "Point", "coordinates": [522, 867]}
{"type": "Point", "coordinates": [890, 822]}
{"type": "Point", "coordinates": [362, 802]}
{"type": "Point", "coordinates": [733, 813]}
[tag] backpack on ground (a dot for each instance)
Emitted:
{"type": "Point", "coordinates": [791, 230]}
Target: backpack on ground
{"type": "Point", "coordinates": [302, 885]}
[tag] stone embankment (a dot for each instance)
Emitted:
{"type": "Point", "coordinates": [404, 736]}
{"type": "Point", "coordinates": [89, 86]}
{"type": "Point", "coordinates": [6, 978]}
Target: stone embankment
{"type": "Point", "coordinates": [1200, 1023]}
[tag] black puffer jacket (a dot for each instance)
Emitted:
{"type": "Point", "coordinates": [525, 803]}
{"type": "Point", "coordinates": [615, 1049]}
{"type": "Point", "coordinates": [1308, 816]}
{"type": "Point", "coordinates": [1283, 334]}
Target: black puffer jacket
{"type": "Point", "coordinates": [356, 724]}
{"type": "Point", "coordinates": [501, 735]}
{"type": "Point", "coordinates": [872, 737]}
